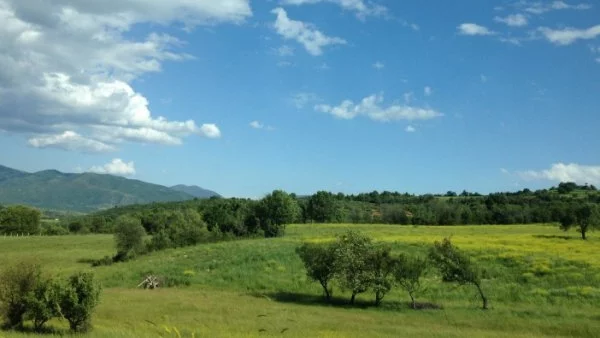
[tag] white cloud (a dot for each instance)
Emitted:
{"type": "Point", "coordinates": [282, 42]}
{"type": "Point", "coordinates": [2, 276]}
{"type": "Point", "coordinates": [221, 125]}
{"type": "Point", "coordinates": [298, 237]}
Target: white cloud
{"type": "Point", "coordinates": [539, 7]}
{"type": "Point", "coordinates": [560, 172]}
{"type": "Point", "coordinates": [70, 140]}
{"type": "Point", "coordinates": [410, 129]}
{"type": "Point", "coordinates": [285, 50]}
{"type": "Point", "coordinates": [256, 125]}
{"type": "Point", "coordinates": [67, 67]}
{"type": "Point", "coordinates": [427, 91]}
{"type": "Point", "coordinates": [300, 100]}
{"type": "Point", "coordinates": [360, 7]}
{"type": "Point", "coordinates": [473, 29]}
{"type": "Point", "coordinates": [483, 78]}
{"type": "Point", "coordinates": [371, 107]}
{"type": "Point", "coordinates": [504, 171]}
{"type": "Point", "coordinates": [260, 125]}
{"type": "Point", "coordinates": [306, 34]}
{"type": "Point", "coordinates": [210, 130]}
{"type": "Point", "coordinates": [567, 36]}
{"type": "Point", "coordinates": [514, 20]}
{"type": "Point", "coordinates": [378, 65]}
{"type": "Point", "coordinates": [115, 167]}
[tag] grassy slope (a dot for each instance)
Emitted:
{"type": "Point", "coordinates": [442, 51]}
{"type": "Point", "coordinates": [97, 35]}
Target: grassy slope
{"type": "Point", "coordinates": [539, 283]}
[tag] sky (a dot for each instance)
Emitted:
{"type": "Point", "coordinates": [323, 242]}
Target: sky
{"type": "Point", "coordinates": [244, 97]}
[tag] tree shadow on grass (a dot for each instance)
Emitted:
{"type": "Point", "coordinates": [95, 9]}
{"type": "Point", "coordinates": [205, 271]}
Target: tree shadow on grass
{"type": "Point", "coordinates": [314, 300]}
{"type": "Point", "coordinates": [565, 237]}
{"type": "Point", "coordinates": [29, 330]}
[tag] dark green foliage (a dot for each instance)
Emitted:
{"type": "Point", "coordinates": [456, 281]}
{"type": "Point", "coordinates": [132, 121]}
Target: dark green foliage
{"type": "Point", "coordinates": [275, 211]}
{"type": "Point", "coordinates": [323, 207]}
{"type": "Point", "coordinates": [78, 299]}
{"type": "Point", "coordinates": [17, 283]}
{"type": "Point", "coordinates": [129, 238]}
{"type": "Point", "coordinates": [319, 261]}
{"type": "Point", "coordinates": [408, 273]}
{"type": "Point", "coordinates": [42, 303]}
{"type": "Point", "coordinates": [383, 265]}
{"type": "Point", "coordinates": [585, 217]}
{"type": "Point", "coordinates": [19, 219]}
{"type": "Point", "coordinates": [456, 266]}
{"type": "Point", "coordinates": [352, 262]}
{"type": "Point", "coordinates": [51, 229]}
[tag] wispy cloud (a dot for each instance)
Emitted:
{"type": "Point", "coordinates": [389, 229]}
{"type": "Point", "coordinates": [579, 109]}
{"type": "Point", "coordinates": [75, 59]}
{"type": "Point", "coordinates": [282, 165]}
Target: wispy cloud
{"type": "Point", "coordinates": [306, 34]}
{"type": "Point", "coordinates": [473, 29]}
{"type": "Point", "coordinates": [378, 65]}
{"type": "Point", "coordinates": [568, 36]}
{"type": "Point", "coordinates": [539, 7]}
{"type": "Point", "coordinates": [371, 107]}
{"type": "Point", "coordinates": [300, 100]}
{"type": "Point", "coordinates": [410, 129]}
{"type": "Point", "coordinates": [361, 8]}
{"type": "Point", "coordinates": [427, 91]}
{"type": "Point", "coordinates": [514, 20]}
{"type": "Point", "coordinates": [260, 125]}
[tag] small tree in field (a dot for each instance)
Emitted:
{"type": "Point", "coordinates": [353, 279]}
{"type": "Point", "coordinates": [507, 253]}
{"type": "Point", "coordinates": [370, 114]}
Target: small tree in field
{"type": "Point", "coordinates": [77, 300]}
{"type": "Point", "coordinates": [42, 303]}
{"type": "Point", "coordinates": [456, 266]}
{"type": "Point", "coordinates": [129, 238]}
{"type": "Point", "coordinates": [353, 268]}
{"type": "Point", "coordinates": [382, 269]}
{"type": "Point", "coordinates": [319, 261]}
{"type": "Point", "coordinates": [585, 217]}
{"type": "Point", "coordinates": [408, 273]}
{"type": "Point", "coordinates": [17, 282]}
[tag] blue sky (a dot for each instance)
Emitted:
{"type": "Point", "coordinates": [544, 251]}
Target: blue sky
{"type": "Point", "coordinates": [304, 95]}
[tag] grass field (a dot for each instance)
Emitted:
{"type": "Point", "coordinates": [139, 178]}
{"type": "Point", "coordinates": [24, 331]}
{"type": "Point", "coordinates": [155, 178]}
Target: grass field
{"type": "Point", "coordinates": [540, 281]}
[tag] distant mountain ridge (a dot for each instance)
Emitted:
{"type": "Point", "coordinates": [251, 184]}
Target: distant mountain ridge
{"type": "Point", "coordinates": [85, 192]}
{"type": "Point", "coordinates": [195, 191]}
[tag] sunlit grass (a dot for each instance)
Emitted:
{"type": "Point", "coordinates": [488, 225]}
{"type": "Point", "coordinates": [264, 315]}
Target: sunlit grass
{"type": "Point", "coordinates": [541, 282]}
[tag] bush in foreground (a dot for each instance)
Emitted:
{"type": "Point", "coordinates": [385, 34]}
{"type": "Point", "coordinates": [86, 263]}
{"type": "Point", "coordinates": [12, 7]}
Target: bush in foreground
{"type": "Point", "coordinates": [77, 300]}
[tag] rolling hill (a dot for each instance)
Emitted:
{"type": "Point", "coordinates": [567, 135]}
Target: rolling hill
{"type": "Point", "coordinates": [195, 191]}
{"type": "Point", "coordinates": [85, 192]}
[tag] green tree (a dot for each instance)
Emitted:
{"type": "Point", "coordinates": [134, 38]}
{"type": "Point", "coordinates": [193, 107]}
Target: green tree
{"type": "Point", "coordinates": [19, 219]}
{"type": "Point", "coordinates": [319, 261]}
{"type": "Point", "coordinates": [78, 299]}
{"type": "Point", "coordinates": [352, 260]}
{"type": "Point", "coordinates": [275, 211]}
{"type": "Point", "coordinates": [42, 303]}
{"type": "Point", "coordinates": [585, 217]}
{"type": "Point", "coordinates": [408, 272]}
{"type": "Point", "coordinates": [383, 266]}
{"type": "Point", "coordinates": [129, 238]}
{"type": "Point", "coordinates": [322, 207]}
{"type": "Point", "coordinates": [17, 283]}
{"type": "Point", "coordinates": [456, 266]}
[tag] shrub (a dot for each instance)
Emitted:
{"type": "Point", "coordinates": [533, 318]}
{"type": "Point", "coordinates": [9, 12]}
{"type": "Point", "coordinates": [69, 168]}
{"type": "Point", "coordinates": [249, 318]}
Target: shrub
{"type": "Point", "coordinates": [129, 238]}
{"type": "Point", "coordinates": [105, 261]}
{"type": "Point", "coordinates": [50, 229]}
{"type": "Point", "coordinates": [77, 300]}
{"type": "Point", "coordinates": [42, 303]}
{"type": "Point", "coordinates": [382, 267]}
{"type": "Point", "coordinates": [17, 283]}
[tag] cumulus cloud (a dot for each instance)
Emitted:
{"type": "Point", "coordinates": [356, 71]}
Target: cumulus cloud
{"type": "Point", "coordinates": [560, 172]}
{"type": "Point", "coordinates": [514, 20]}
{"type": "Point", "coordinates": [360, 7]}
{"type": "Point", "coordinates": [66, 68]}
{"type": "Point", "coordinates": [567, 36]}
{"type": "Point", "coordinates": [473, 29]}
{"type": "Point", "coordinates": [306, 34]}
{"type": "Point", "coordinates": [116, 167]}
{"type": "Point", "coordinates": [70, 140]}
{"type": "Point", "coordinates": [371, 107]}
{"type": "Point", "coordinates": [378, 65]}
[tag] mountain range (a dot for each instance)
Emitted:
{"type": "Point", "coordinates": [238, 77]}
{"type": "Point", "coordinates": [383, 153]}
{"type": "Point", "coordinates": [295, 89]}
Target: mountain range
{"type": "Point", "coordinates": [86, 192]}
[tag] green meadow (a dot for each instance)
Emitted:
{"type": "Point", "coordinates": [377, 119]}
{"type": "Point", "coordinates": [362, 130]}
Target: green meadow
{"type": "Point", "coordinates": [541, 282]}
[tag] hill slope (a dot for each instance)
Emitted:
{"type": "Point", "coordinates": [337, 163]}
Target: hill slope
{"type": "Point", "coordinates": [51, 189]}
{"type": "Point", "coordinates": [195, 191]}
